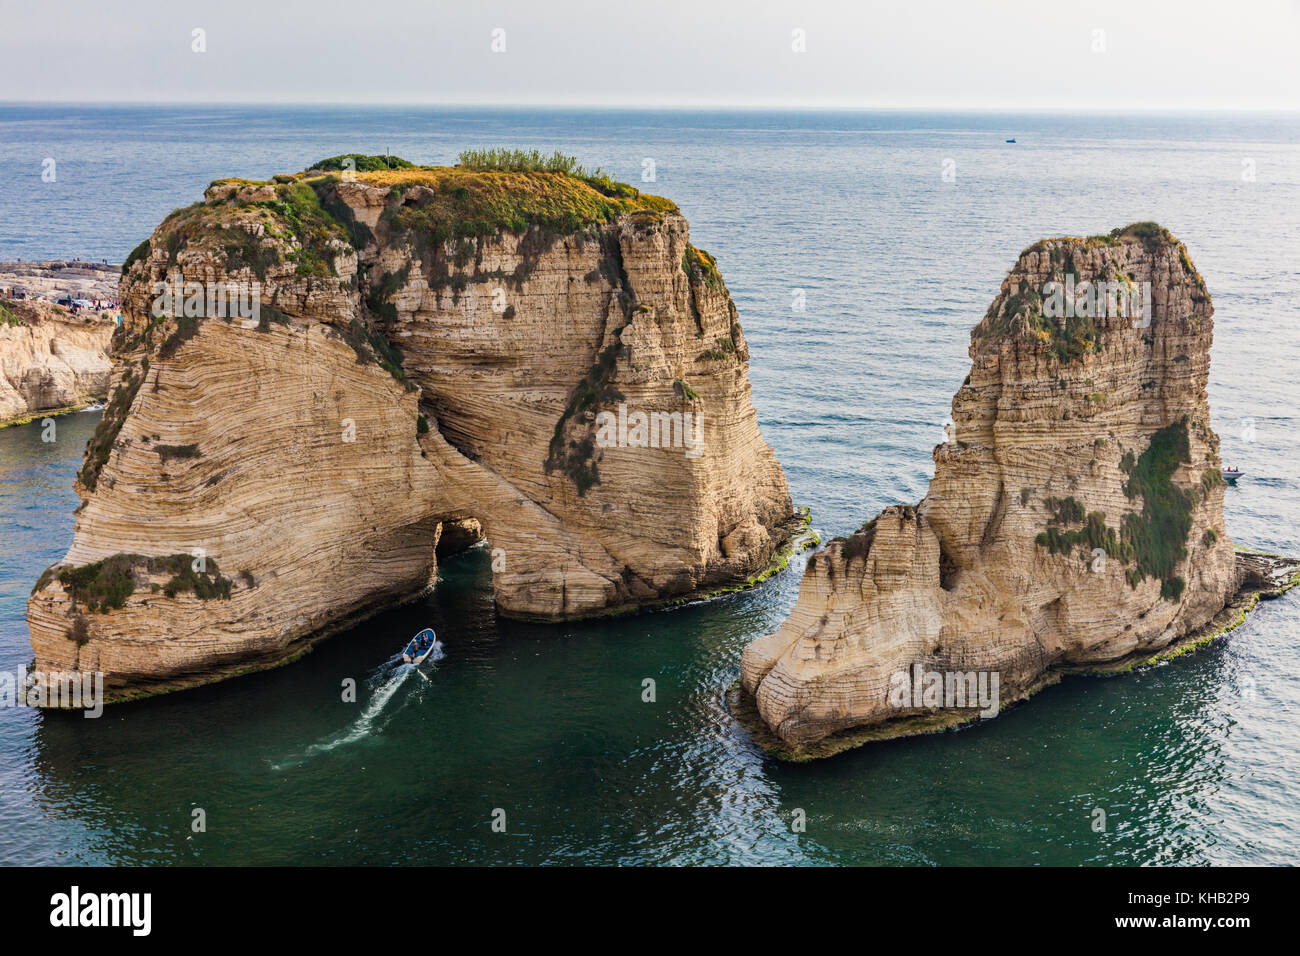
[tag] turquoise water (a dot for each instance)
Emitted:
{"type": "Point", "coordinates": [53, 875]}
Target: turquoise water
{"type": "Point", "coordinates": [1192, 762]}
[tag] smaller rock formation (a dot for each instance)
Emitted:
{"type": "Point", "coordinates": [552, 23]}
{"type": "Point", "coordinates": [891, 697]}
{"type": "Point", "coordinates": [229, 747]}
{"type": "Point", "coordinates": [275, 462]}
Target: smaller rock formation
{"type": "Point", "coordinates": [1074, 522]}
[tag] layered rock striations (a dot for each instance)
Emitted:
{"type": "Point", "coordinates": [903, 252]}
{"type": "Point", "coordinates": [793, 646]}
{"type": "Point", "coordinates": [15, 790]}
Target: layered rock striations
{"type": "Point", "coordinates": [541, 359]}
{"type": "Point", "coordinates": [1075, 518]}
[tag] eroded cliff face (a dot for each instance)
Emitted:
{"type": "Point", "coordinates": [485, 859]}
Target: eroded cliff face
{"type": "Point", "coordinates": [434, 349]}
{"type": "Point", "coordinates": [50, 360]}
{"type": "Point", "coordinates": [1075, 516]}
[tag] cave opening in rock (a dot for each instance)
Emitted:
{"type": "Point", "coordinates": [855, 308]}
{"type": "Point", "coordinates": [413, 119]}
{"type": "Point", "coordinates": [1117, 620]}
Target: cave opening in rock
{"type": "Point", "coordinates": [457, 535]}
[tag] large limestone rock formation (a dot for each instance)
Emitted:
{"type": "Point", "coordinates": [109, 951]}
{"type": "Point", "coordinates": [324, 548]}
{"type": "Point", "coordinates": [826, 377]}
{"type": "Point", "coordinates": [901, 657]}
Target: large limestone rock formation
{"type": "Point", "coordinates": [1075, 517]}
{"type": "Point", "coordinates": [50, 359]}
{"type": "Point", "coordinates": [433, 353]}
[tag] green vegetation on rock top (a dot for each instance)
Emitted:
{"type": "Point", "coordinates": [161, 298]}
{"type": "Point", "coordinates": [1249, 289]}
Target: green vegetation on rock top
{"type": "Point", "coordinates": [533, 161]}
{"type": "Point", "coordinates": [490, 192]}
{"type": "Point", "coordinates": [362, 163]}
{"type": "Point", "coordinates": [1019, 312]}
{"type": "Point", "coordinates": [522, 161]}
{"type": "Point", "coordinates": [306, 222]}
{"type": "Point", "coordinates": [431, 205]}
{"type": "Point", "coordinates": [290, 224]}
{"type": "Point", "coordinates": [1150, 232]}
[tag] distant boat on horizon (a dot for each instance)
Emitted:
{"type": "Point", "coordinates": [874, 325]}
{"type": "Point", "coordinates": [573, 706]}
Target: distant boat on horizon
{"type": "Point", "coordinates": [1011, 141]}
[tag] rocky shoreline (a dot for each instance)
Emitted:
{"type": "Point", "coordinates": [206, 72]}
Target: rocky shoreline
{"type": "Point", "coordinates": [52, 360]}
{"type": "Point", "coordinates": [54, 357]}
{"type": "Point", "coordinates": [58, 278]}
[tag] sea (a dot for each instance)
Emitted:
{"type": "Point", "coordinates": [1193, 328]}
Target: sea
{"type": "Point", "coordinates": [860, 249]}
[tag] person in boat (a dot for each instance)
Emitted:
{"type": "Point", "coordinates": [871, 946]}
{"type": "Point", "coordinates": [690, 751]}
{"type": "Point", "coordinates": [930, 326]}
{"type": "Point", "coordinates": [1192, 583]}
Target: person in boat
{"type": "Point", "coordinates": [423, 641]}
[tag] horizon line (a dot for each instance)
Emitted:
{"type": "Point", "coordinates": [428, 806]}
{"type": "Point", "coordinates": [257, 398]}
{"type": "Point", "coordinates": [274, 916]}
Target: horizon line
{"type": "Point", "coordinates": [800, 107]}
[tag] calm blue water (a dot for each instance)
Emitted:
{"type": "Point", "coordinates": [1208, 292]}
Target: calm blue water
{"type": "Point", "coordinates": [1193, 762]}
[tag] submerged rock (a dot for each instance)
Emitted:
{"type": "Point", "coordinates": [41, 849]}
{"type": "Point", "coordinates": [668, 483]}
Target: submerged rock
{"type": "Point", "coordinates": [1074, 521]}
{"type": "Point", "coordinates": [435, 351]}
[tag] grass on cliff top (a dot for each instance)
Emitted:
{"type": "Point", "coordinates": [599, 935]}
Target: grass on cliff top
{"type": "Point", "coordinates": [491, 191]}
{"type": "Point", "coordinates": [521, 161]}
{"type": "Point", "coordinates": [496, 190]}
{"type": "Point", "coordinates": [139, 252]}
{"type": "Point", "coordinates": [1019, 312]}
{"type": "Point", "coordinates": [1149, 232]}
{"type": "Point", "coordinates": [432, 205]}
{"type": "Point", "coordinates": [298, 208]}
{"type": "Point", "coordinates": [294, 224]}
{"type": "Point", "coordinates": [533, 161]}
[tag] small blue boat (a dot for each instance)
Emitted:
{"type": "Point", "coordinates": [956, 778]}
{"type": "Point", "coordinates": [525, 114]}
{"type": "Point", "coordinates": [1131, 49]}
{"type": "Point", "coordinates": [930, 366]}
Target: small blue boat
{"type": "Point", "coordinates": [1011, 141]}
{"type": "Point", "coordinates": [421, 647]}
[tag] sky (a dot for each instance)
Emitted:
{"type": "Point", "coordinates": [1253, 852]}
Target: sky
{"type": "Point", "coordinates": [906, 54]}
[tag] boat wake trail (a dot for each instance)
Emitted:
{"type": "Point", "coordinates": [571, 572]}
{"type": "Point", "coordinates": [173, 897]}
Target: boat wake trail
{"type": "Point", "coordinates": [384, 684]}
